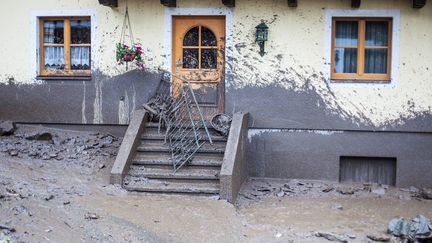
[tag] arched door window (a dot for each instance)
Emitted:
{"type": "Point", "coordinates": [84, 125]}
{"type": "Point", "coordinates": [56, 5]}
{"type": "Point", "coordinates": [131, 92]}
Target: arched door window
{"type": "Point", "coordinates": [199, 49]}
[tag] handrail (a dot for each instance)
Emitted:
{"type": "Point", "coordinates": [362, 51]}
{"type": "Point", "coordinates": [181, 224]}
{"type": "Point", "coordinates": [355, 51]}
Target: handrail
{"type": "Point", "coordinates": [182, 117]}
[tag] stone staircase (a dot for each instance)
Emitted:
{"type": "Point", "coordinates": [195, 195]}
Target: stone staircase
{"type": "Point", "coordinates": [151, 170]}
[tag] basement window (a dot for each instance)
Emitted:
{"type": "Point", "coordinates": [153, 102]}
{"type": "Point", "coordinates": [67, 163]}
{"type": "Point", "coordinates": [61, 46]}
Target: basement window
{"type": "Point", "coordinates": [368, 169]}
{"type": "Point", "coordinates": [65, 46]}
{"type": "Point", "coordinates": [361, 49]}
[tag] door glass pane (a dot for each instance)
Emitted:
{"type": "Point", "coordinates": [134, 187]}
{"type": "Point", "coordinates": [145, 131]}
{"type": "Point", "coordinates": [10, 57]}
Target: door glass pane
{"type": "Point", "coordinates": [346, 33]}
{"type": "Point", "coordinates": [190, 58]}
{"type": "Point", "coordinates": [80, 31]}
{"type": "Point", "coordinates": [207, 37]}
{"type": "Point", "coordinates": [80, 58]}
{"type": "Point", "coordinates": [191, 37]}
{"type": "Point", "coordinates": [53, 32]}
{"type": "Point", "coordinates": [54, 58]}
{"type": "Point", "coordinates": [345, 60]}
{"type": "Point", "coordinates": [208, 58]}
{"type": "Point", "coordinates": [376, 33]}
{"type": "Point", "coordinates": [376, 60]}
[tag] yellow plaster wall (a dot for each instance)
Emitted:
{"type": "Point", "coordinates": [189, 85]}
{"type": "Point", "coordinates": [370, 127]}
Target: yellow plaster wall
{"type": "Point", "coordinates": [295, 50]}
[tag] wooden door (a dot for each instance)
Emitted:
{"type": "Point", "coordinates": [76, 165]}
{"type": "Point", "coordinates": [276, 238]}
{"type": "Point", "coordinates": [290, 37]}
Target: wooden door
{"type": "Point", "coordinates": [198, 56]}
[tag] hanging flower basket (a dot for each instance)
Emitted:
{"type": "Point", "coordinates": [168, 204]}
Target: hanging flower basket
{"type": "Point", "coordinates": [126, 54]}
{"type": "Point", "coordinates": [132, 53]}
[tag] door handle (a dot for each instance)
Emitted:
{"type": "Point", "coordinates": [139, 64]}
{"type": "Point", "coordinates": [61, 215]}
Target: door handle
{"type": "Point", "coordinates": [178, 64]}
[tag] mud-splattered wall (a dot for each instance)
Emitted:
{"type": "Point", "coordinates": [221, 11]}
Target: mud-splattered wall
{"type": "Point", "coordinates": [287, 88]}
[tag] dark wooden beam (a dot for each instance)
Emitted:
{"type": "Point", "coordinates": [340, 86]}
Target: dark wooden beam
{"type": "Point", "coordinates": [292, 3]}
{"type": "Point", "coordinates": [229, 3]}
{"type": "Point", "coordinates": [355, 3]}
{"type": "Point", "coordinates": [109, 3]}
{"type": "Point", "coordinates": [418, 3]}
{"type": "Point", "coordinates": [169, 3]}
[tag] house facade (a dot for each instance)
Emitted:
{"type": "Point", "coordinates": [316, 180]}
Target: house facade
{"type": "Point", "coordinates": [341, 89]}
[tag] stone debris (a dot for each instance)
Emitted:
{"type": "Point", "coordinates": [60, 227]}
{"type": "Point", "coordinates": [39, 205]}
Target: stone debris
{"type": "Point", "coordinates": [42, 136]}
{"type": "Point", "coordinates": [379, 237]}
{"type": "Point", "coordinates": [426, 193]}
{"type": "Point", "coordinates": [91, 216]}
{"type": "Point", "coordinates": [8, 228]}
{"type": "Point", "coordinates": [7, 128]}
{"type": "Point", "coordinates": [331, 236]}
{"type": "Point", "coordinates": [37, 142]}
{"type": "Point", "coordinates": [419, 228]}
{"type": "Point", "coordinates": [257, 189]}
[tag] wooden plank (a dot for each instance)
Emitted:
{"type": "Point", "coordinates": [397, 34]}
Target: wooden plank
{"type": "Point", "coordinates": [169, 3]}
{"type": "Point", "coordinates": [229, 3]}
{"type": "Point", "coordinates": [418, 3]}
{"type": "Point", "coordinates": [109, 3]}
{"type": "Point", "coordinates": [355, 3]}
{"type": "Point", "coordinates": [292, 3]}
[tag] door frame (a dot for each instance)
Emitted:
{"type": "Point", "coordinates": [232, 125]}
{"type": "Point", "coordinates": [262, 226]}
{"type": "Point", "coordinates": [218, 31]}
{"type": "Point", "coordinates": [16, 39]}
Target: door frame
{"type": "Point", "coordinates": [168, 45]}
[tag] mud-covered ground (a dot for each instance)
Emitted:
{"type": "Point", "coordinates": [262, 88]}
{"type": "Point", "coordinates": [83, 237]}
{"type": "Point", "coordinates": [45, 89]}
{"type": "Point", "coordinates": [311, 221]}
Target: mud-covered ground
{"type": "Point", "coordinates": [55, 189]}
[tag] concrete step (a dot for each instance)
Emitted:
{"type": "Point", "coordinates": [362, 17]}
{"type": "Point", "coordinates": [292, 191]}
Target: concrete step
{"type": "Point", "coordinates": [154, 142]}
{"type": "Point", "coordinates": [139, 184]}
{"type": "Point", "coordinates": [146, 146]}
{"type": "Point", "coordinates": [186, 172]}
{"type": "Point", "coordinates": [163, 159]}
{"type": "Point", "coordinates": [161, 137]}
{"type": "Point", "coordinates": [153, 129]}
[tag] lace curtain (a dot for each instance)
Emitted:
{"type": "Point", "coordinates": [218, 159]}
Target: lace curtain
{"type": "Point", "coordinates": [79, 55]}
{"type": "Point", "coordinates": [80, 58]}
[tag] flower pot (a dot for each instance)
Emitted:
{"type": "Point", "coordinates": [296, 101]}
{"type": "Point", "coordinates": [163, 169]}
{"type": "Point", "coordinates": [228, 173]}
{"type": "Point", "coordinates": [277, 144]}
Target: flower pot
{"type": "Point", "coordinates": [129, 56]}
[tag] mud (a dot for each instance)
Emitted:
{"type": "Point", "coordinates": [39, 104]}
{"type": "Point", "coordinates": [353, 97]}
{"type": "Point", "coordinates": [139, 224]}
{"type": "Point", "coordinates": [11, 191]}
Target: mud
{"type": "Point", "coordinates": [69, 200]}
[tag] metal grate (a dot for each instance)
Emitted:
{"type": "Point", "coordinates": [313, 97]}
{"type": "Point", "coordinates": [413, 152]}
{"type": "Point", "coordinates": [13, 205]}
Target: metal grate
{"type": "Point", "coordinates": [178, 110]}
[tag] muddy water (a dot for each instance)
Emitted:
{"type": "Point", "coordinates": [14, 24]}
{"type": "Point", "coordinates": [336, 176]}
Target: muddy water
{"type": "Point", "coordinates": [131, 217]}
{"type": "Point", "coordinates": [198, 219]}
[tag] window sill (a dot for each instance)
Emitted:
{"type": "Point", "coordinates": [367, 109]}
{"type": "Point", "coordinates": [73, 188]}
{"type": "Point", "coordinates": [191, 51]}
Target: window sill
{"type": "Point", "coordinates": [357, 81]}
{"type": "Point", "coordinates": [71, 78]}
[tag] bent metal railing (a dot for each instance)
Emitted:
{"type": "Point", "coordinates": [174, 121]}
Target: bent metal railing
{"type": "Point", "coordinates": [177, 108]}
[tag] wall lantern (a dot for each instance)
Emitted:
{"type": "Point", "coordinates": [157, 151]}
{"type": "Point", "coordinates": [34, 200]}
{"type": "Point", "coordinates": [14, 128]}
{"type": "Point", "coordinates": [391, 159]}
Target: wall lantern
{"type": "Point", "coordinates": [261, 36]}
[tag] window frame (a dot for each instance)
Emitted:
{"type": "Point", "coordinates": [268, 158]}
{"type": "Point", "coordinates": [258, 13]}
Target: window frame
{"type": "Point", "coordinates": [200, 47]}
{"type": "Point", "coordinates": [360, 75]}
{"type": "Point", "coordinates": [67, 72]}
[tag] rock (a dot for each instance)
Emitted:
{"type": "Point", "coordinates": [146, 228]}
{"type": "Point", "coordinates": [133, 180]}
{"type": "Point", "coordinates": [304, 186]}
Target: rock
{"type": "Point", "coordinates": [91, 216]}
{"type": "Point", "coordinates": [280, 194]}
{"type": "Point", "coordinates": [101, 166]}
{"type": "Point", "coordinates": [345, 191]}
{"type": "Point", "coordinates": [13, 152]}
{"type": "Point", "coordinates": [49, 197]}
{"type": "Point", "coordinates": [380, 191]}
{"type": "Point", "coordinates": [413, 189]}
{"type": "Point", "coordinates": [4, 227]}
{"type": "Point", "coordinates": [338, 207]}
{"type": "Point", "coordinates": [66, 202]}
{"type": "Point", "coordinates": [7, 128]}
{"type": "Point", "coordinates": [43, 136]}
{"type": "Point", "coordinates": [331, 236]}
{"type": "Point", "coordinates": [380, 238]}
{"type": "Point", "coordinates": [418, 228]}
{"type": "Point", "coordinates": [52, 155]}
{"type": "Point", "coordinates": [328, 189]}
{"type": "Point", "coordinates": [426, 193]}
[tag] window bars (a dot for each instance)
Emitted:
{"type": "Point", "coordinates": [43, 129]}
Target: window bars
{"type": "Point", "coordinates": [178, 110]}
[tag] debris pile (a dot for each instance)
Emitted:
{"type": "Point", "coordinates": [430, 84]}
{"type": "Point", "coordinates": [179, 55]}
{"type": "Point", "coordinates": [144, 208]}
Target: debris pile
{"type": "Point", "coordinates": [419, 229]}
{"type": "Point", "coordinates": [257, 189]}
{"type": "Point", "coordinates": [52, 144]}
